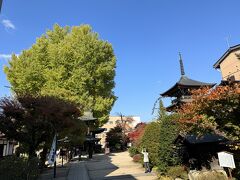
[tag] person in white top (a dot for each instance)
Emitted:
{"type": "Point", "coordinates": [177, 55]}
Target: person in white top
{"type": "Point", "coordinates": [146, 160]}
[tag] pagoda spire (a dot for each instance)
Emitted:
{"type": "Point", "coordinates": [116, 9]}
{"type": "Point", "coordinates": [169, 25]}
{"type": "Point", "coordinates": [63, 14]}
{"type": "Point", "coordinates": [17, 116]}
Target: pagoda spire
{"type": "Point", "coordinates": [181, 64]}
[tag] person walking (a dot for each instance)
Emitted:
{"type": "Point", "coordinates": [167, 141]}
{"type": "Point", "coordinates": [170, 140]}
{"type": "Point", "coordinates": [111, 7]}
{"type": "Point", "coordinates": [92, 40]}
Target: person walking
{"type": "Point", "coordinates": [107, 149]}
{"type": "Point", "coordinates": [146, 160]}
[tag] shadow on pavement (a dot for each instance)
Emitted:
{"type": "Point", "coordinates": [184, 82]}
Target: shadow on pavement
{"type": "Point", "coordinates": [124, 177]}
{"type": "Point", "coordinates": [101, 167]}
{"type": "Point", "coordinates": [47, 173]}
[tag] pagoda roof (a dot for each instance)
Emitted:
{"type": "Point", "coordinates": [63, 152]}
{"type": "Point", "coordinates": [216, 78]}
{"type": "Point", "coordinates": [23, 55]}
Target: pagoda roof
{"type": "Point", "coordinates": [91, 138]}
{"type": "Point", "coordinates": [231, 49]}
{"type": "Point", "coordinates": [87, 116]}
{"type": "Point", "coordinates": [98, 130]}
{"type": "Point", "coordinates": [171, 107]}
{"type": "Point", "coordinates": [206, 138]}
{"type": "Point", "coordinates": [87, 119]}
{"type": "Point", "coordinates": [185, 82]}
{"type": "Point", "coordinates": [177, 102]}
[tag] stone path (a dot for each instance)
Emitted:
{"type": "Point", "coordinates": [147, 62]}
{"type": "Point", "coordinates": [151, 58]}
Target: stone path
{"type": "Point", "coordinates": [116, 166]}
{"type": "Point", "coordinates": [78, 171]}
{"type": "Point", "coordinates": [75, 170]}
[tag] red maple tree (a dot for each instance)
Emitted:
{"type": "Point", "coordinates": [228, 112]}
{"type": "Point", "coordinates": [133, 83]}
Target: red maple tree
{"type": "Point", "coordinates": [136, 135]}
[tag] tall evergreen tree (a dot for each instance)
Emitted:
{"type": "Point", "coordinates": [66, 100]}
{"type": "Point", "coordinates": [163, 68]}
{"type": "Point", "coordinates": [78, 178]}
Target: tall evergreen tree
{"type": "Point", "coordinates": [162, 113]}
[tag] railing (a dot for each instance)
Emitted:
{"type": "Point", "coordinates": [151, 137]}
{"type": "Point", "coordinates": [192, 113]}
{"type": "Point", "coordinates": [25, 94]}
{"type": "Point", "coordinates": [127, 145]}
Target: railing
{"type": "Point", "coordinates": [174, 101]}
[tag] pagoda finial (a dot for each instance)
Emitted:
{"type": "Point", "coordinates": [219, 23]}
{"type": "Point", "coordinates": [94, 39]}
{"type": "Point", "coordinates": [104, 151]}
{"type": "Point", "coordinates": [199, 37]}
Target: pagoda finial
{"type": "Point", "coordinates": [181, 65]}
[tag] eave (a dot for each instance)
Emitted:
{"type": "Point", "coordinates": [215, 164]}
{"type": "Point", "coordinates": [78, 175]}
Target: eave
{"type": "Point", "coordinates": [187, 83]}
{"type": "Point", "coordinates": [231, 49]}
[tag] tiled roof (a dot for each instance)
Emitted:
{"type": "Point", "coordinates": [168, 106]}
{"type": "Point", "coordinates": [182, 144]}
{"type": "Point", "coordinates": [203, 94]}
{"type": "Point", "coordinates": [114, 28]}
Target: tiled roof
{"type": "Point", "coordinates": [187, 82]}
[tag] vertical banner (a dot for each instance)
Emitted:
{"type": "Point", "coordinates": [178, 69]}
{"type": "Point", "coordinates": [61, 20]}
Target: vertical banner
{"type": "Point", "coordinates": [52, 154]}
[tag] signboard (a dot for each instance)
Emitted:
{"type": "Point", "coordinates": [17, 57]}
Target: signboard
{"type": "Point", "coordinates": [226, 160]}
{"type": "Point", "coordinates": [52, 154]}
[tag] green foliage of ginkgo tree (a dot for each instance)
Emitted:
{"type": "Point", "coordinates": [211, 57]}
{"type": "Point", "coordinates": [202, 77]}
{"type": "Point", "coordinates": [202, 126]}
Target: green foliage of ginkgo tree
{"type": "Point", "coordinates": [70, 63]}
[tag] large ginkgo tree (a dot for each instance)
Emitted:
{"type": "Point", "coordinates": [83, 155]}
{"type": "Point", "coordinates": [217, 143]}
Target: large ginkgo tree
{"type": "Point", "coordinates": [70, 63]}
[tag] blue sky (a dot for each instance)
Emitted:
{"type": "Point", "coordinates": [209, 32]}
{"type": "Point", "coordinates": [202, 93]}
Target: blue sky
{"type": "Point", "coordinates": [146, 36]}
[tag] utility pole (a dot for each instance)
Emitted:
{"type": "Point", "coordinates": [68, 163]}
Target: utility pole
{"type": "Point", "coordinates": [228, 40]}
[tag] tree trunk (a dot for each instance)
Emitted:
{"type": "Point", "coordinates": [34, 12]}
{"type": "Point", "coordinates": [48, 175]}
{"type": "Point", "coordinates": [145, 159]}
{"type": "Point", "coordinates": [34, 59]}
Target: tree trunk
{"type": "Point", "coordinates": [43, 156]}
{"type": "Point", "coordinates": [32, 147]}
{"type": "Point", "coordinates": [31, 152]}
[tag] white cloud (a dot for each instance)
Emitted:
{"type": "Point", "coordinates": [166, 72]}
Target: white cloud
{"type": "Point", "coordinates": [5, 56]}
{"type": "Point", "coordinates": [8, 24]}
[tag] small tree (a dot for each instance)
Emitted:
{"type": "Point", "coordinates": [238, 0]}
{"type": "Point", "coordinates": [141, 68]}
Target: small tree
{"type": "Point", "coordinates": [115, 137]}
{"type": "Point", "coordinates": [169, 130]}
{"type": "Point", "coordinates": [151, 141]}
{"type": "Point", "coordinates": [162, 113]}
{"type": "Point", "coordinates": [136, 135]}
{"type": "Point", "coordinates": [32, 121]}
{"type": "Point", "coordinates": [158, 138]}
{"type": "Point", "coordinates": [124, 122]}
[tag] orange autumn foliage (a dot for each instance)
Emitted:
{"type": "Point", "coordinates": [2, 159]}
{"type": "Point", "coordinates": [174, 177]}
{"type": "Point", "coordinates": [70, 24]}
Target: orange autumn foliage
{"type": "Point", "coordinates": [216, 109]}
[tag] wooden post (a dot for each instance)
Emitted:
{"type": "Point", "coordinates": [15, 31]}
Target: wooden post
{"type": "Point", "coordinates": [55, 163]}
{"type": "Point", "coordinates": [230, 172]}
{"type": "Point", "coordinates": [54, 169]}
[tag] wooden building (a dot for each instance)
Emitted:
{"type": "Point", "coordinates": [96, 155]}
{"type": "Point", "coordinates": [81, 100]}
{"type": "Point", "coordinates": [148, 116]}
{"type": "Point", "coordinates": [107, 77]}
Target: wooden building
{"type": "Point", "coordinates": [6, 146]}
{"type": "Point", "coordinates": [229, 64]}
{"type": "Point", "coordinates": [197, 151]}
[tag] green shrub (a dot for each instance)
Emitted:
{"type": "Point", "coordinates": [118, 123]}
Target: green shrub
{"type": "Point", "coordinates": [158, 138]}
{"type": "Point", "coordinates": [115, 137]}
{"type": "Point", "coordinates": [177, 172]}
{"type": "Point", "coordinates": [168, 155]}
{"type": "Point", "coordinates": [118, 146]}
{"type": "Point", "coordinates": [16, 168]}
{"type": "Point", "coordinates": [151, 141]}
{"type": "Point", "coordinates": [133, 150]}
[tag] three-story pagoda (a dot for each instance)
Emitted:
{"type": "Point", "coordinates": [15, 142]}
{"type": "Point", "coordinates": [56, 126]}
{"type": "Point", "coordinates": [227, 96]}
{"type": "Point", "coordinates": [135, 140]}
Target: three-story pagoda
{"type": "Point", "coordinates": [181, 91]}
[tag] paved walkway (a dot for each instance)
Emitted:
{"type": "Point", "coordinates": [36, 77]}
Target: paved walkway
{"type": "Point", "coordinates": [78, 171]}
{"type": "Point", "coordinates": [75, 170]}
{"type": "Point", "coordinates": [117, 166]}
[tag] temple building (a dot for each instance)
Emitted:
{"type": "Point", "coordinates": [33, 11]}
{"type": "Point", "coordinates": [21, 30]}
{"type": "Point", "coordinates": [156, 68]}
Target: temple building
{"type": "Point", "coordinates": [91, 143]}
{"type": "Point", "coordinates": [6, 146]}
{"type": "Point", "coordinates": [181, 91]}
{"type": "Point", "coordinates": [198, 152]}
